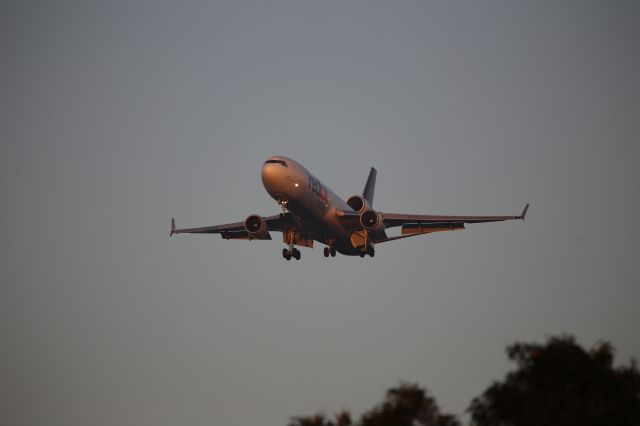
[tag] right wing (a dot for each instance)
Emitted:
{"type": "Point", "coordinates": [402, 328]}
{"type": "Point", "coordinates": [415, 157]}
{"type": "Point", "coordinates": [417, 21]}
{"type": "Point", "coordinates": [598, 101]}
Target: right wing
{"type": "Point", "coordinates": [236, 230]}
{"type": "Point", "coordinates": [415, 224]}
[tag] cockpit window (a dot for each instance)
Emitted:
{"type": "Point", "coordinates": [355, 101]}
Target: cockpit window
{"type": "Point", "coordinates": [282, 163]}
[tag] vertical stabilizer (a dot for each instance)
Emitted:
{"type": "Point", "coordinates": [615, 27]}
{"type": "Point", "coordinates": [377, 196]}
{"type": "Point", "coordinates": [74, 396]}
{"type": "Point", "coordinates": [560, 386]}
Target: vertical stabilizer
{"type": "Point", "coordinates": [370, 186]}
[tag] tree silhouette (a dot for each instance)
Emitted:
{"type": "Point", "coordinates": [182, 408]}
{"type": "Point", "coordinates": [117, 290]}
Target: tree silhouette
{"type": "Point", "coordinates": [405, 405]}
{"type": "Point", "coordinates": [560, 383]}
{"type": "Point", "coordinates": [341, 419]}
{"type": "Point", "coordinates": [556, 383]}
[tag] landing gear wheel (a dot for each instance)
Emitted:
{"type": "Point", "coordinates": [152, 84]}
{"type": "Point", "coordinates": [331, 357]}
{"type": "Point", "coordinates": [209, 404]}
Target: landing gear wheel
{"type": "Point", "coordinates": [332, 252]}
{"type": "Point", "coordinates": [361, 254]}
{"type": "Point", "coordinates": [286, 254]}
{"type": "Point", "coordinates": [371, 251]}
{"type": "Point", "coordinates": [296, 254]}
{"type": "Point", "coordinates": [326, 252]}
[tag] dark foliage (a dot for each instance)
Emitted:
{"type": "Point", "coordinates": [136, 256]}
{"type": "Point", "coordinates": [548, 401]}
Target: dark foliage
{"type": "Point", "coordinates": [560, 383]}
{"type": "Point", "coordinates": [405, 405]}
{"type": "Point", "coordinates": [556, 383]}
{"type": "Point", "coordinates": [340, 419]}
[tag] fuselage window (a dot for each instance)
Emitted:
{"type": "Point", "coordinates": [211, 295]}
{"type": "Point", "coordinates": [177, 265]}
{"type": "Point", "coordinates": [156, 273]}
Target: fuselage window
{"type": "Point", "coordinates": [282, 163]}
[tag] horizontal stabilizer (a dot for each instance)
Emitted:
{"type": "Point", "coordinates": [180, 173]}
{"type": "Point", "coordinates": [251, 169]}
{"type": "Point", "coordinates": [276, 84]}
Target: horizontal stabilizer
{"type": "Point", "coordinates": [524, 212]}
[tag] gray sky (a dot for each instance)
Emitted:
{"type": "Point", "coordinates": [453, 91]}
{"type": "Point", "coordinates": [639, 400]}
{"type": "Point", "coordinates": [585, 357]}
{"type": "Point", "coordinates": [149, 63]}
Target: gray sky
{"type": "Point", "coordinates": [116, 116]}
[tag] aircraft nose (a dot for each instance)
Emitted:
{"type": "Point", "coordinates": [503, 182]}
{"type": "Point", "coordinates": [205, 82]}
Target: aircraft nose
{"type": "Point", "coordinates": [271, 178]}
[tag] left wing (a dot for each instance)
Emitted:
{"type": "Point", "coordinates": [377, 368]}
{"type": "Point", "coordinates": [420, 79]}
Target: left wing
{"type": "Point", "coordinates": [236, 230]}
{"type": "Point", "coordinates": [413, 224]}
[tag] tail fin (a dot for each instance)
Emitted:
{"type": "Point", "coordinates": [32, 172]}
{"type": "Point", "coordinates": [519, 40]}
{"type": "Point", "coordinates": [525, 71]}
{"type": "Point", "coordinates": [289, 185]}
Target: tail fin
{"type": "Point", "coordinates": [370, 186]}
{"type": "Point", "coordinates": [173, 226]}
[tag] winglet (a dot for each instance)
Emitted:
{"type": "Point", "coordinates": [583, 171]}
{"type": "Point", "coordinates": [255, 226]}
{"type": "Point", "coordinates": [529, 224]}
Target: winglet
{"type": "Point", "coordinates": [524, 212]}
{"type": "Point", "coordinates": [173, 226]}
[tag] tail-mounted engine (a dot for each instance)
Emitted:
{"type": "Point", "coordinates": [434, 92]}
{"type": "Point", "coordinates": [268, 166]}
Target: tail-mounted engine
{"type": "Point", "coordinates": [369, 218]}
{"type": "Point", "coordinates": [358, 203]}
{"type": "Point", "coordinates": [257, 228]}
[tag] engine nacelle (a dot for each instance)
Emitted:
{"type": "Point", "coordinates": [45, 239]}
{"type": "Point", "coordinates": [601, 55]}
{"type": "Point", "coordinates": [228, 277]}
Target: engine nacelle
{"type": "Point", "coordinates": [257, 228]}
{"type": "Point", "coordinates": [358, 203]}
{"type": "Point", "coordinates": [372, 221]}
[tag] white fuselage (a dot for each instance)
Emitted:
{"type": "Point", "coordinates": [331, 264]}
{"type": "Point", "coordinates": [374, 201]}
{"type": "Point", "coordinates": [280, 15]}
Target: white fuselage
{"type": "Point", "coordinates": [315, 213]}
{"type": "Point", "coordinates": [313, 203]}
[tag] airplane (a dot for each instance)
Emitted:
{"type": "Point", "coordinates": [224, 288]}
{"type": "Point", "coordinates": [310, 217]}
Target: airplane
{"type": "Point", "coordinates": [312, 212]}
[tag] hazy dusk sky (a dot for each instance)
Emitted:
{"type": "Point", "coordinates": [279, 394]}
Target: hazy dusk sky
{"type": "Point", "coordinates": [117, 116]}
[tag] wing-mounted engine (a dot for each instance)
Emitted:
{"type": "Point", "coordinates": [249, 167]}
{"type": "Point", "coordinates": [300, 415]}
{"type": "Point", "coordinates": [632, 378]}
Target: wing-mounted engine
{"type": "Point", "coordinates": [257, 228]}
{"type": "Point", "coordinates": [371, 229]}
{"type": "Point", "coordinates": [372, 221]}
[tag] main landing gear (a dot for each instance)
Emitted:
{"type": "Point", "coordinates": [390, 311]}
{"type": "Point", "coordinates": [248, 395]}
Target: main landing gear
{"type": "Point", "coordinates": [369, 250]}
{"type": "Point", "coordinates": [291, 253]}
{"type": "Point", "coordinates": [329, 251]}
